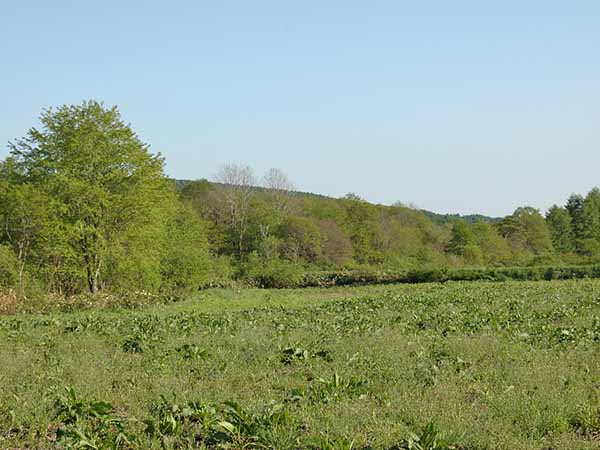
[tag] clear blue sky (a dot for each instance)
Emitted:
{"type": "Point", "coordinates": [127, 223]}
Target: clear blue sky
{"type": "Point", "coordinates": [456, 106]}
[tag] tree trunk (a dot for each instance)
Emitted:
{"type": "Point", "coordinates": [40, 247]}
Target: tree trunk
{"type": "Point", "coordinates": [21, 260]}
{"type": "Point", "coordinates": [96, 283]}
{"type": "Point", "coordinates": [93, 265]}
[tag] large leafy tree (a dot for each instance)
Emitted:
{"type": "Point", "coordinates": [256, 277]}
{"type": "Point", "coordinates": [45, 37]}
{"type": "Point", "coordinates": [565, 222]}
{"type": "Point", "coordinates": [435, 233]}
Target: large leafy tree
{"type": "Point", "coordinates": [463, 243]}
{"type": "Point", "coordinates": [337, 248]}
{"type": "Point", "coordinates": [100, 176]}
{"type": "Point", "coordinates": [361, 225]}
{"type": "Point", "coordinates": [585, 221]}
{"type": "Point", "coordinates": [302, 239]}
{"type": "Point", "coordinates": [8, 268]}
{"type": "Point", "coordinates": [185, 262]}
{"type": "Point", "coordinates": [590, 216]}
{"type": "Point", "coordinates": [559, 222]}
{"type": "Point", "coordinates": [527, 231]}
{"type": "Point", "coordinates": [589, 239]}
{"type": "Point", "coordinates": [575, 208]}
{"type": "Point", "coordinates": [495, 250]}
{"type": "Point", "coordinates": [462, 237]}
{"type": "Point", "coordinates": [29, 227]}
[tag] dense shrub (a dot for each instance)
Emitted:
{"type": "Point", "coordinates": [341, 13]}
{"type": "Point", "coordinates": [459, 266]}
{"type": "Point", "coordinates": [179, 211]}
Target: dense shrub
{"type": "Point", "coordinates": [186, 262]}
{"type": "Point", "coordinates": [9, 274]}
{"type": "Point", "coordinates": [273, 275]}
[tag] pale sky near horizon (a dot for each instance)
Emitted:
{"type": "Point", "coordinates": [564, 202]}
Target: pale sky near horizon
{"type": "Point", "coordinates": [463, 106]}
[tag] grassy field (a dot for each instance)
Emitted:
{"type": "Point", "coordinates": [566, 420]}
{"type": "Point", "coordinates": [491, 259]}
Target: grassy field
{"type": "Point", "coordinates": [433, 366]}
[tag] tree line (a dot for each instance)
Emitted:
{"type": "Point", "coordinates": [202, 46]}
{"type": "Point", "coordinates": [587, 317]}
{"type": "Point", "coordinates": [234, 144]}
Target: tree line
{"type": "Point", "coordinates": [85, 206]}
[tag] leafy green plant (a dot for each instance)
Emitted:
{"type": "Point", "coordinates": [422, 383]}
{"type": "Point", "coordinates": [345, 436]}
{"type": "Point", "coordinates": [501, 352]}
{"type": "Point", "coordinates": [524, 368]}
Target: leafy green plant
{"type": "Point", "coordinates": [192, 351]}
{"type": "Point", "coordinates": [132, 345]}
{"type": "Point", "coordinates": [428, 439]}
{"type": "Point", "coordinates": [253, 430]}
{"type": "Point", "coordinates": [89, 424]}
{"type": "Point", "coordinates": [171, 419]}
{"type": "Point", "coordinates": [9, 273]}
{"type": "Point", "coordinates": [340, 443]}
{"type": "Point", "coordinates": [295, 353]}
{"type": "Point", "coordinates": [224, 426]}
{"type": "Point", "coordinates": [328, 389]}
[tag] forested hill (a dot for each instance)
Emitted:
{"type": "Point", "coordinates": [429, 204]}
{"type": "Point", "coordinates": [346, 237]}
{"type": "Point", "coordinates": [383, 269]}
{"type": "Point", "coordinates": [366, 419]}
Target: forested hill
{"type": "Point", "coordinates": [85, 206]}
{"type": "Point", "coordinates": [437, 218]}
{"type": "Point", "coordinates": [469, 218]}
{"type": "Point", "coordinates": [256, 226]}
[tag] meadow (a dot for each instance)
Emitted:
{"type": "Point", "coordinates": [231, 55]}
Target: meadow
{"type": "Point", "coordinates": [455, 365]}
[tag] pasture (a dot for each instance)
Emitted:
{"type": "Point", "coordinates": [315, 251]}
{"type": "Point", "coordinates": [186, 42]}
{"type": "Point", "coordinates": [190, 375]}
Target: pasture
{"type": "Point", "coordinates": [464, 365]}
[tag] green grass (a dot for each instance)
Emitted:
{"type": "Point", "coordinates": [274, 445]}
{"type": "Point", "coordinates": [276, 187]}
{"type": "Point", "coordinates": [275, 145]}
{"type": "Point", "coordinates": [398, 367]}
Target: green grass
{"type": "Point", "coordinates": [467, 365]}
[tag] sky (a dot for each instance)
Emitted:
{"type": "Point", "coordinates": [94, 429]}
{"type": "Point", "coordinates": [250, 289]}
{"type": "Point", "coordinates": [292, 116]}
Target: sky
{"type": "Point", "coordinates": [456, 107]}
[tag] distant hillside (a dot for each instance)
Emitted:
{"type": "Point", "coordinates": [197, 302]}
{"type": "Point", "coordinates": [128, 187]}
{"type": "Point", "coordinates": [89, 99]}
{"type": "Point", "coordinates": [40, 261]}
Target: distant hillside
{"type": "Point", "coordinates": [436, 218]}
{"type": "Point", "coordinates": [469, 218]}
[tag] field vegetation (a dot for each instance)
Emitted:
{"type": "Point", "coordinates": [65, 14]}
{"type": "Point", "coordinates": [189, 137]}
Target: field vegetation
{"type": "Point", "coordinates": [456, 365]}
{"type": "Point", "coordinates": [139, 312]}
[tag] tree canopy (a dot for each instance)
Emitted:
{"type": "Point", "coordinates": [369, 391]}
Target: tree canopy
{"type": "Point", "coordinates": [85, 205]}
{"type": "Point", "coordinates": [83, 198]}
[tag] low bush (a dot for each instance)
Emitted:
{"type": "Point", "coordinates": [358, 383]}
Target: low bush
{"type": "Point", "coordinates": [273, 273]}
{"type": "Point", "coordinates": [9, 275]}
{"type": "Point", "coordinates": [273, 278]}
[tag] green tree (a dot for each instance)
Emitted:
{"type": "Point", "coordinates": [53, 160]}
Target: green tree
{"type": "Point", "coordinates": [186, 261]}
{"type": "Point", "coordinates": [323, 208]}
{"type": "Point", "coordinates": [594, 196]}
{"type": "Point", "coordinates": [462, 237]}
{"type": "Point", "coordinates": [463, 243]}
{"type": "Point", "coordinates": [301, 240]}
{"type": "Point", "coordinates": [337, 248]}
{"type": "Point", "coordinates": [527, 231]}
{"type": "Point", "coordinates": [400, 243]}
{"type": "Point", "coordinates": [9, 276]}
{"type": "Point", "coordinates": [495, 249]}
{"type": "Point", "coordinates": [197, 194]}
{"type": "Point", "coordinates": [588, 242]}
{"type": "Point", "coordinates": [559, 223]}
{"type": "Point", "coordinates": [575, 208]}
{"type": "Point", "coordinates": [98, 173]}
{"type": "Point", "coordinates": [29, 225]}
{"type": "Point", "coordinates": [361, 225]}
{"type": "Point", "coordinates": [590, 216]}
{"type": "Point", "coordinates": [22, 209]}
